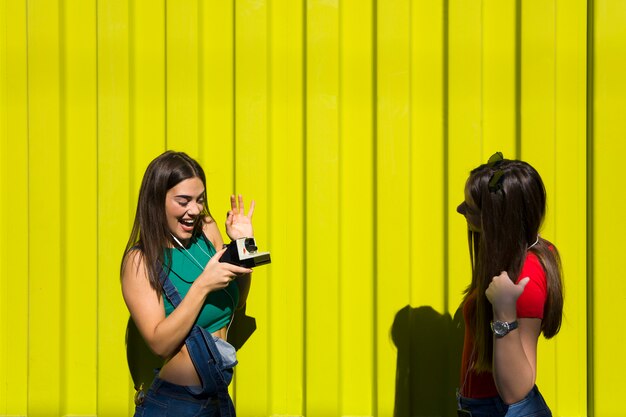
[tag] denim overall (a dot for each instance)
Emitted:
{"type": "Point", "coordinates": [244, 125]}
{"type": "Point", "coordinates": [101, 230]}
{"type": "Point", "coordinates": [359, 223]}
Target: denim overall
{"type": "Point", "coordinates": [215, 375]}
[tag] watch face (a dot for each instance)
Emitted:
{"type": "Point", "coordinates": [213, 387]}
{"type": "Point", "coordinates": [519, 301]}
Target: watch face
{"type": "Point", "coordinates": [500, 328]}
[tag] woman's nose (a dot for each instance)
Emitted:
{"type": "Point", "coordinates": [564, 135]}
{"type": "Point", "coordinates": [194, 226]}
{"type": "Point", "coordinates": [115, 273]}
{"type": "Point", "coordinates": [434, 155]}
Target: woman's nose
{"type": "Point", "coordinates": [195, 209]}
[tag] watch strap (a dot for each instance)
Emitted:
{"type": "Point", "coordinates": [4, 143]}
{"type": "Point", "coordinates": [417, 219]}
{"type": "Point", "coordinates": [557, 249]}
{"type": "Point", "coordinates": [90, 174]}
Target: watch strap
{"type": "Point", "coordinates": [502, 328]}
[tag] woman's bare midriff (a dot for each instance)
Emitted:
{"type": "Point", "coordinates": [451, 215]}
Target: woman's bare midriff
{"type": "Point", "coordinates": [180, 370]}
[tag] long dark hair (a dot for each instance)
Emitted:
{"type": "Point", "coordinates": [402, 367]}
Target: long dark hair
{"type": "Point", "coordinates": [150, 233]}
{"type": "Point", "coordinates": [509, 198]}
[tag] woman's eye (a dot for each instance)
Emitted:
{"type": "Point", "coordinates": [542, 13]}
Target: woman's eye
{"type": "Point", "coordinates": [183, 203]}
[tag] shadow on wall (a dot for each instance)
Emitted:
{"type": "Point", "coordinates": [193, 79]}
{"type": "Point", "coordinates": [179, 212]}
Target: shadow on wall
{"type": "Point", "coordinates": [429, 360]}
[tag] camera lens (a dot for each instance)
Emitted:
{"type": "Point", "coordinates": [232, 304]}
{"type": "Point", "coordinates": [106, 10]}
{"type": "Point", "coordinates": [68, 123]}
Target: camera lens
{"type": "Point", "coordinates": [250, 245]}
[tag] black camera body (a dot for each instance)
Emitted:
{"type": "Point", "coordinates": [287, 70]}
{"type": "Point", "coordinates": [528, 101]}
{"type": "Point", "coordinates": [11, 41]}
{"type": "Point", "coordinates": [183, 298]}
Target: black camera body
{"type": "Point", "coordinates": [243, 252]}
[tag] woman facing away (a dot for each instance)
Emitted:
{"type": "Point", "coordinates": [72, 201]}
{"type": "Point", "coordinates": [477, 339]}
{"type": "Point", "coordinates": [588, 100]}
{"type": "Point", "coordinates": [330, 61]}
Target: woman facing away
{"type": "Point", "coordinates": [516, 291]}
{"type": "Point", "coordinates": [179, 295]}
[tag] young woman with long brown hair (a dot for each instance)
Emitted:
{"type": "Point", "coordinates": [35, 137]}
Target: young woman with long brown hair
{"type": "Point", "coordinates": [179, 295]}
{"type": "Point", "coordinates": [516, 291]}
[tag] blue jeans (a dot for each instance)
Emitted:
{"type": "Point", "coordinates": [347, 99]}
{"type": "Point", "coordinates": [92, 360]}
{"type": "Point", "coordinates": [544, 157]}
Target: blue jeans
{"type": "Point", "coordinates": [212, 358]}
{"type": "Point", "coordinates": [166, 399]}
{"type": "Point", "coordinates": [531, 406]}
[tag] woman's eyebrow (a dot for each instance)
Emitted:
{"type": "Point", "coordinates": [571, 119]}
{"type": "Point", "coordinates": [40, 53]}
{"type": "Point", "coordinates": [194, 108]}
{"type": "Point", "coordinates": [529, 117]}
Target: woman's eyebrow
{"type": "Point", "coordinates": [189, 197]}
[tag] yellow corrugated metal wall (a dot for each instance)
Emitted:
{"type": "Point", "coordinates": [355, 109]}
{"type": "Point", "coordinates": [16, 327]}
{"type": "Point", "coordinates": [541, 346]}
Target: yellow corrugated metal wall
{"type": "Point", "coordinates": [353, 124]}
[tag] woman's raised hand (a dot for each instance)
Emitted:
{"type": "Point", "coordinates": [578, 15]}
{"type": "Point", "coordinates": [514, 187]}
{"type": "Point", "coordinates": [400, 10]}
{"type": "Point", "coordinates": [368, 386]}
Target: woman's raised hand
{"type": "Point", "coordinates": [239, 224]}
{"type": "Point", "coordinates": [503, 293]}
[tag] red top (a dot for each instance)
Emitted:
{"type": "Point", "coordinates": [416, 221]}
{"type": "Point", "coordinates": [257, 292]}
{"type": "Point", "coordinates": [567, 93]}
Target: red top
{"type": "Point", "coordinates": [529, 305]}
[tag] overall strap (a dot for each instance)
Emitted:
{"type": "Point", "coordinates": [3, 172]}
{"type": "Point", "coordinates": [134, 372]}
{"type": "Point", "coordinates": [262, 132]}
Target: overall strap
{"type": "Point", "coordinates": [169, 289]}
{"type": "Point", "coordinates": [204, 355]}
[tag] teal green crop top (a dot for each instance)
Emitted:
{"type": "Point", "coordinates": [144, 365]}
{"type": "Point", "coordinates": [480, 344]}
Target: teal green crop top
{"type": "Point", "coordinates": [219, 305]}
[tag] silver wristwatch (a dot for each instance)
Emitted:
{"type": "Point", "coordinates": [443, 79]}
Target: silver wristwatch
{"type": "Point", "coordinates": [502, 328]}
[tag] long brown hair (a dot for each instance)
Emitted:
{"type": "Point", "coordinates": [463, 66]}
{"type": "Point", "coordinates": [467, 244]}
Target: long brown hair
{"type": "Point", "coordinates": [150, 233]}
{"type": "Point", "coordinates": [509, 198]}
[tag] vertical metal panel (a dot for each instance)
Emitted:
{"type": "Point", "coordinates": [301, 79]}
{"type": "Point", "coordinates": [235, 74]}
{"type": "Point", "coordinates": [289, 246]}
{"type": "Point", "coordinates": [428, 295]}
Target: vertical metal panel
{"type": "Point", "coordinates": [393, 242]}
{"type": "Point", "coordinates": [422, 330]}
{"type": "Point", "coordinates": [3, 186]}
{"type": "Point", "coordinates": [147, 89]}
{"type": "Point", "coordinates": [79, 193]}
{"type": "Point", "coordinates": [464, 148]}
{"type": "Point", "coordinates": [216, 85]}
{"type": "Point", "coordinates": [114, 203]}
{"type": "Point", "coordinates": [356, 209]}
{"type": "Point", "coordinates": [44, 189]}
{"type": "Point", "coordinates": [498, 45]}
{"type": "Point", "coordinates": [428, 187]}
{"type": "Point", "coordinates": [609, 224]}
{"type": "Point", "coordinates": [216, 102]}
{"type": "Point", "coordinates": [569, 206]}
{"type": "Point", "coordinates": [182, 75]}
{"type": "Point", "coordinates": [322, 209]}
{"type": "Point", "coordinates": [354, 126]}
{"type": "Point", "coordinates": [14, 268]}
{"type": "Point", "coordinates": [285, 209]}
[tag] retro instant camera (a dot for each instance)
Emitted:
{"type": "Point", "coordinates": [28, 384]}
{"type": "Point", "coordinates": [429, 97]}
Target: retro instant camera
{"type": "Point", "coordinates": [243, 252]}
